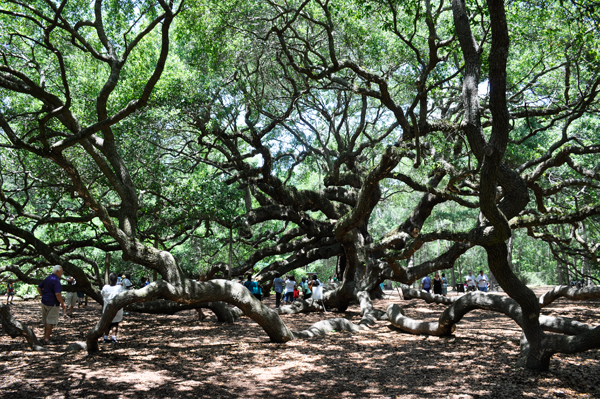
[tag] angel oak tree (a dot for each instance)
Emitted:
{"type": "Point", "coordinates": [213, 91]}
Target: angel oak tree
{"type": "Point", "coordinates": [315, 118]}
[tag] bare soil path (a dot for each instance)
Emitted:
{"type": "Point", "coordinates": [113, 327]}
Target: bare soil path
{"type": "Point", "coordinates": [181, 357]}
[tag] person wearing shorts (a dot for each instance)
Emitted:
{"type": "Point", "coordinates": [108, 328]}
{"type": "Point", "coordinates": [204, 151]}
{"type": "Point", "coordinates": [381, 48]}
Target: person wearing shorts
{"type": "Point", "coordinates": [71, 297]}
{"type": "Point", "coordinates": [10, 293]}
{"type": "Point", "coordinates": [109, 291]}
{"type": "Point", "coordinates": [50, 290]}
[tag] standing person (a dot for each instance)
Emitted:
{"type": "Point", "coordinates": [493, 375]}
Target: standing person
{"type": "Point", "coordinates": [80, 298]}
{"type": "Point", "coordinates": [290, 282]}
{"type": "Point", "coordinates": [316, 282]}
{"type": "Point", "coordinates": [50, 290]}
{"type": "Point", "coordinates": [444, 285]}
{"type": "Point", "coordinates": [248, 283]}
{"type": "Point", "coordinates": [278, 288]}
{"type": "Point", "coordinates": [316, 288]}
{"type": "Point", "coordinates": [437, 284]}
{"type": "Point", "coordinates": [470, 280]}
{"type": "Point", "coordinates": [71, 296]}
{"type": "Point", "coordinates": [10, 292]}
{"type": "Point", "coordinates": [256, 289]}
{"type": "Point", "coordinates": [426, 284]}
{"type": "Point", "coordinates": [109, 291]}
{"type": "Point", "coordinates": [126, 281]}
{"type": "Point", "coordinates": [482, 281]}
{"type": "Point", "coordinates": [144, 282]}
{"type": "Point", "coordinates": [306, 292]}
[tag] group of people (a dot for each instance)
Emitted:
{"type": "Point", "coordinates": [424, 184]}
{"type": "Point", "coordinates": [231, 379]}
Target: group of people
{"type": "Point", "coordinates": [480, 282]}
{"type": "Point", "coordinates": [50, 290]}
{"type": "Point", "coordinates": [440, 283]}
{"type": "Point", "coordinates": [288, 289]}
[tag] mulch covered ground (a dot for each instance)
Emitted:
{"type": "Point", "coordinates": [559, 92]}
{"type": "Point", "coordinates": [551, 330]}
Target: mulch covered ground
{"type": "Point", "coordinates": [181, 357]}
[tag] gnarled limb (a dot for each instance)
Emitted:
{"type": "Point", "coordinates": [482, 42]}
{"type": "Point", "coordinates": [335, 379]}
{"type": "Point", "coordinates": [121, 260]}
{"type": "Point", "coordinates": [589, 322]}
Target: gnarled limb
{"type": "Point", "coordinates": [300, 306]}
{"type": "Point", "coordinates": [326, 326]}
{"type": "Point", "coordinates": [15, 328]}
{"type": "Point", "coordinates": [478, 300]}
{"type": "Point", "coordinates": [570, 293]}
{"type": "Point", "coordinates": [192, 292]}
{"type": "Point", "coordinates": [410, 293]}
{"type": "Point", "coordinates": [220, 309]}
{"type": "Point", "coordinates": [369, 316]}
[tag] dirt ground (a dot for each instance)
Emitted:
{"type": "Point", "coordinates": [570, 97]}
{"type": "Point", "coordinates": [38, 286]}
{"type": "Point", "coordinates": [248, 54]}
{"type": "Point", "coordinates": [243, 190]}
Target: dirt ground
{"type": "Point", "coordinates": [181, 357]}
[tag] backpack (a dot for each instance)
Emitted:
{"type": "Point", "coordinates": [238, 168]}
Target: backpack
{"type": "Point", "coordinates": [255, 288]}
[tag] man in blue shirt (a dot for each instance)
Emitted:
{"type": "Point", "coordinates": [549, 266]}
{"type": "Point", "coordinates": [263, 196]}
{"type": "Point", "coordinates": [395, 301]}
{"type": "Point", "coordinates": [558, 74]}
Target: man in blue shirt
{"type": "Point", "coordinates": [278, 288]}
{"type": "Point", "coordinates": [50, 290]}
{"type": "Point", "coordinates": [426, 283]}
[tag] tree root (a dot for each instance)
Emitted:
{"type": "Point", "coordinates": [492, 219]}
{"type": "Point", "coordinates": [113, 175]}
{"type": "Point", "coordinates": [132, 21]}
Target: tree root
{"type": "Point", "coordinates": [323, 327]}
{"type": "Point", "coordinates": [300, 306]}
{"type": "Point", "coordinates": [15, 328]}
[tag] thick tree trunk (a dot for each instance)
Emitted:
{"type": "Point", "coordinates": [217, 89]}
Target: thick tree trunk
{"type": "Point", "coordinates": [535, 356]}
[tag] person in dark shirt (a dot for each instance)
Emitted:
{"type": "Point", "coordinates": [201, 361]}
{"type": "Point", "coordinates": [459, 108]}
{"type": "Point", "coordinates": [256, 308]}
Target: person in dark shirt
{"type": "Point", "coordinates": [50, 290]}
{"type": "Point", "coordinates": [10, 292]}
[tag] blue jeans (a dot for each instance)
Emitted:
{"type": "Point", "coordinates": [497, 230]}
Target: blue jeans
{"type": "Point", "coordinates": [277, 299]}
{"type": "Point", "coordinates": [484, 289]}
{"type": "Point", "coordinates": [289, 297]}
{"type": "Point", "coordinates": [427, 289]}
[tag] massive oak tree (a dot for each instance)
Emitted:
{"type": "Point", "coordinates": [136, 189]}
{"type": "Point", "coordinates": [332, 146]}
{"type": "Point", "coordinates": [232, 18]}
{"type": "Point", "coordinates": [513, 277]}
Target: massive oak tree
{"type": "Point", "coordinates": [306, 130]}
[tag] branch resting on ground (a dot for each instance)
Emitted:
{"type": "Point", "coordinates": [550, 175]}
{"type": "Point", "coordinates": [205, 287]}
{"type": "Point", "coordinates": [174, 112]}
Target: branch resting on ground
{"type": "Point", "coordinates": [15, 329]}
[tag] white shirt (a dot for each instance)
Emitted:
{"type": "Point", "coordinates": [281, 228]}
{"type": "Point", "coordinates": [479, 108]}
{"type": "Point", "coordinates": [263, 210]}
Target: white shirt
{"type": "Point", "coordinates": [470, 281]}
{"type": "Point", "coordinates": [109, 292]}
{"type": "Point", "coordinates": [289, 285]}
{"type": "Point", "coordinates": [482, 280]}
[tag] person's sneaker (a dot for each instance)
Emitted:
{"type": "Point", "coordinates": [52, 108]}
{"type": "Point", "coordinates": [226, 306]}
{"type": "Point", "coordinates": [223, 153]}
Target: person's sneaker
{"type": "Point", "coordinates": [114, 341]}
{"type": "Point", "coordinates": [44, 342]}
{"type": "Point", "coordinates": [106, 340]}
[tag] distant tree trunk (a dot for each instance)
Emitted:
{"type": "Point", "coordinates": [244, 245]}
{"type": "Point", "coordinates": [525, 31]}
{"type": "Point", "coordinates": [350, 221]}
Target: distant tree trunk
{"type": "Point", "coordinates": [106, 267]}
{"type": "Point", "coordinates": [230, 264]}
{"type": "Point", "coordinates": [559, 272]}
{"type": "Point", "coordinates": [585, 263]}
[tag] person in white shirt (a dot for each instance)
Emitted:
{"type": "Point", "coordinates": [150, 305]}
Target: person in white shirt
{"type": "Point", "coordinates": [482, 281]}
{"type": "Point", "coordinates": [71, 297]}
{"type": "Point", "coordinates": [470, 282]}
{"type": "Point", "coordinates": [290, 283]}
{"type": "Point", "coordinates": [109, 291]}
